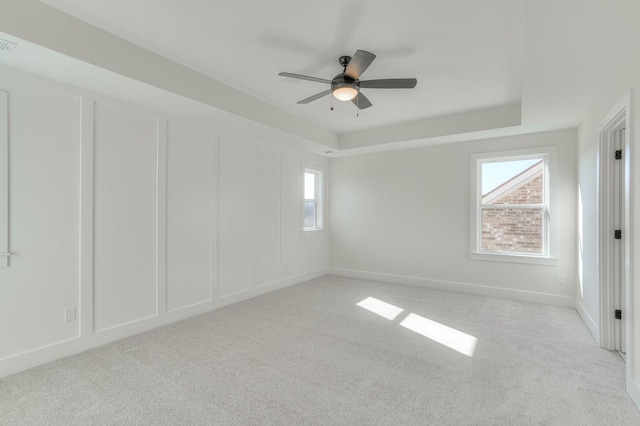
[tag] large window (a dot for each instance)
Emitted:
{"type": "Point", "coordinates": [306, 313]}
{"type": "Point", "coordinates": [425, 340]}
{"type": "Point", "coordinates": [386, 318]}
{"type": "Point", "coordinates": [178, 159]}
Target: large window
{"type": "Point", "coordinates": [312, 200]}
{"type": "Point", "coordinates": [513, 206]}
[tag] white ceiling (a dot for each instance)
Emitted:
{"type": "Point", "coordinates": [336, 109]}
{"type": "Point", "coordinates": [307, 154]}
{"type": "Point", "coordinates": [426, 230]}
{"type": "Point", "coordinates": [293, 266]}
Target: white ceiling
{"type": "Point", "coordinates": [466, 55]}
{"type": "Point", "coordinates": [546, 58]}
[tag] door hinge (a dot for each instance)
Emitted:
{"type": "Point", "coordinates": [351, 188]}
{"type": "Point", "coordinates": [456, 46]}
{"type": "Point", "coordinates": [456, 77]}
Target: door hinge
{"type": "Point", "coordinates": [617, 234]}
{"type": "Point", "coordinates": [619, 154]}
{"type": "Point", "coordinates": [618, 314]}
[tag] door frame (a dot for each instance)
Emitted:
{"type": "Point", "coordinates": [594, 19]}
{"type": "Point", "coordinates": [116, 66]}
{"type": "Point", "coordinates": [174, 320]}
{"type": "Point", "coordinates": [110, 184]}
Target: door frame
{"type": "Point", "coordinates": [619, 116]}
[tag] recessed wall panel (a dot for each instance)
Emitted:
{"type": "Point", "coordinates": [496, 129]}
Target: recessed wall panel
{"type": "Point", "coordinates": [125, 216]}
{"type": "Point", "coordinates": [188, 197]}
{"type": "Point", "coordinates": [267, 204]}
{"type": "Point", "coordinates": [41, 279]}
{"type": "Point", "coordinates": [294, 257]}
{"type": "Point", "coordinates": [317, 251]}
{"type": "Point", "coordinates": [234, 216]}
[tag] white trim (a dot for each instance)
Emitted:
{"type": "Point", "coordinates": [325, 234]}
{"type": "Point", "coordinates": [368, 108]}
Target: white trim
{"type": "Point", "coordinates": [591, 324]}
{"type": "Point", "coordinates": [161, 217]}
{"type": "Point", "coordinates": [213, 215]}
{"type": "Point", "coordinates": [633, 389]}
{"type": "Point", "coordinates": [515, 258]}
{"type": "Point", "coordinates": [4, 179]}
{"type": "Point", "coordinates": [604, 189]}
{"type": "Point", "coordinates": [252, 214]}
{"type": "Point", "coordinates": [457, 287]}
{"type": "Point", "coordinates": [86, 218]}
{"type": "Point", "coordinates": [319, 172]}
{"type": "Point", "coordinates": [620, 114]}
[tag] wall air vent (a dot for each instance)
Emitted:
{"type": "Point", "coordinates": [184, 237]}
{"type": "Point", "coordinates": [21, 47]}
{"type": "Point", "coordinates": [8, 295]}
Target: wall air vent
{"type": "Point", "coordinates": [7, 46]}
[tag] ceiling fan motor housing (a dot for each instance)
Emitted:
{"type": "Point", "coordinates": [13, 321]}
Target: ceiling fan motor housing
{"type": "Point", "coordinates": [342, 80]}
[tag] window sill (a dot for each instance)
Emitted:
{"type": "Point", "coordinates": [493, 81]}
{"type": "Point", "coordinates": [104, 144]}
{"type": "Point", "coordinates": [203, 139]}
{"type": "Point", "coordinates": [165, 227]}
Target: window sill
{"type": "Point", "coordinates": [515, 258]}
{"type": "Point", "coordinates": [313, 231]}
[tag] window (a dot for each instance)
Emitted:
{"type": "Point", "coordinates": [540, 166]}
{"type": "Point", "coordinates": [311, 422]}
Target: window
{"type": "Point", "coordinates": [513, 206]}
{"type": "Point", "coordinates": [312, 200]}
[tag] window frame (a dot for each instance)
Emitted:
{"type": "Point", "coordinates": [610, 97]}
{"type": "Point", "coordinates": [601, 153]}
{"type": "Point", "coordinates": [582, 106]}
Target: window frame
{"type": "Point", "coordinates": [549, 206]}
{"type": "Point", "coordinates": [318, 198]}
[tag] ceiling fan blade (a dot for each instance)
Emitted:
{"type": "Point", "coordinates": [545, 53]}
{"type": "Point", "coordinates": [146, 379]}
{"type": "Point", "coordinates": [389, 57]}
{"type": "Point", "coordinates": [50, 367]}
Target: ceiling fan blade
{"type": "Point", "coordinates": [314, 97]}
{"type": "Point", "coordinates": [359, 63]}
{"type": "Point", "coordinates": [361, 101]}
{"type": "Point", "coordinates": [390, 83]}
{"type": "Point", "coordinates": [305, 77]}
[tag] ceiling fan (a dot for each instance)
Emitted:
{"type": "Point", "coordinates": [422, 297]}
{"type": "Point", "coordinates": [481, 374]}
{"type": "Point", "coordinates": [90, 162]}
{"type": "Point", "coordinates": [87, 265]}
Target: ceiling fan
{"type": "Point", "coordinates": [346, 85]}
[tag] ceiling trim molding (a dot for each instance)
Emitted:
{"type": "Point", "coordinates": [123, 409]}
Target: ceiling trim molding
{"type": "Point", "coordinates": [46, 26]}
{"type": "Point", "coordinates": [468, 122]}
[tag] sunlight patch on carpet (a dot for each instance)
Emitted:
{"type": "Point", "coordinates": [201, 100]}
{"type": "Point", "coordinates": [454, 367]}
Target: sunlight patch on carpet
{"type": "Point", "coordinates": [447, 336]}
{"type": "Point", "coordinates": [378, 307]}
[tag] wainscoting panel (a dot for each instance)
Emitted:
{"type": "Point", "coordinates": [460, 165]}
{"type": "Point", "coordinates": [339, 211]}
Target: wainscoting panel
{"type": "Point", "coordinates": [317, 252]}
{"type": "Point", "coordinates": [136, 218]}
{"type": "Point", "coordinates": [295, 261]}
{"type": "Point", "coordinates": [125, 216]}
{"type": "Point", "coordinates": [267, 209]}
{"type": "Point", "coordinates": [234, 216]}
{"type": "Point", "coordinates": [188, 199]}
{"type": "Point", "coordinates": [41, 278]}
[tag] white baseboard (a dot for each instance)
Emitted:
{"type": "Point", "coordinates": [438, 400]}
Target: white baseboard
{"type": "Point", "coordinates": [38, 356]}
{"type": "Point", "coordinates": [633, 389]}
{"type": "Point", "coordinates": [527, 296]}
{"type": "Point", "coordinates": [588, 320]}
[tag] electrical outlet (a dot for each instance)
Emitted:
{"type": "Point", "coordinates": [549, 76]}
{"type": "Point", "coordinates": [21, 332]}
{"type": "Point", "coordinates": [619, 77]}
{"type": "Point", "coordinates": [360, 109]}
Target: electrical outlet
{"type": "Point", "coordinates": [559, 279]}
{"type": "Point", "coordinates": [70, 314]}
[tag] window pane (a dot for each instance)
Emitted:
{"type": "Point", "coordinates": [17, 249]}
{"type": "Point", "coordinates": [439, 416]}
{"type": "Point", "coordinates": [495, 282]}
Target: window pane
{"type": "Point", "coordinates": [310, 186]}
{"type": "Point", "coordinates": [512, 230]}
{"type": "Point", "coordinates": [513, 182]}
{"type": "Point", "coordinates": [310, 214]}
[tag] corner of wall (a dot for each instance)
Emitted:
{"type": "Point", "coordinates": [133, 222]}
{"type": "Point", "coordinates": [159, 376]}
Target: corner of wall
{"type": "Point", "coordinates": [591, 324]}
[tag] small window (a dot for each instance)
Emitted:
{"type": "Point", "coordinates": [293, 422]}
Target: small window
{"type": "Point", "coordinates": [312, 200]}
{"type": "Point", "coordinates": [512, 206]}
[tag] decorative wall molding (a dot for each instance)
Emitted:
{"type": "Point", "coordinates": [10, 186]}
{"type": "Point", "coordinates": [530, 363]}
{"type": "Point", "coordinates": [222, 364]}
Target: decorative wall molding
{"type": "Point", "coordinates": [128, 127]}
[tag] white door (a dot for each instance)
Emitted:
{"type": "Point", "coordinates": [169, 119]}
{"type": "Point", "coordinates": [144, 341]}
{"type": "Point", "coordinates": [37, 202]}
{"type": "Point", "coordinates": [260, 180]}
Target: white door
{"type": "Point", "coordinates": [618, 247]}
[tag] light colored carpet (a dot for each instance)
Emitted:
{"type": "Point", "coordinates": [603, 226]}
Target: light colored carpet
{"type": "Point", "coordinates": [308, 355]}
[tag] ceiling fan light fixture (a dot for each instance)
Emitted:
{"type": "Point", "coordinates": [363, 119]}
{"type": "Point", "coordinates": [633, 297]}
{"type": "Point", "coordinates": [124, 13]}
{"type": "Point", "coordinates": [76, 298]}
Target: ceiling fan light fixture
{"type": "Point", "coordinates": [346, 85]}
{"type": "Point", "coordinates": [345, 92]}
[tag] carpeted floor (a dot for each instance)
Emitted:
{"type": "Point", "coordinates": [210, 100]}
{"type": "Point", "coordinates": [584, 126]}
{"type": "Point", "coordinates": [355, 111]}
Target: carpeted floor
{"type": "Point", "coordinates": [309, 355]}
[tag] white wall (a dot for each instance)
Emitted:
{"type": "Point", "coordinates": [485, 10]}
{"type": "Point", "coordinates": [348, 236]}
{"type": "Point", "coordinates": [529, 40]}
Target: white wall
{"type": "Point", "coordinates": [138, 219]}
{"type": "Point", "coordinates": [44, 205]}
{"type": "Point", "coordinates": [625, 78]}
{"type": "Point", "coordinates": [405, 214]}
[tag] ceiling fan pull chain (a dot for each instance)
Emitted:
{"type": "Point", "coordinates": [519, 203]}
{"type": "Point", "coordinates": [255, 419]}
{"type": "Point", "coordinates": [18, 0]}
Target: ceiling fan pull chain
{"type": "Point", "coordinates": [331, 103]}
